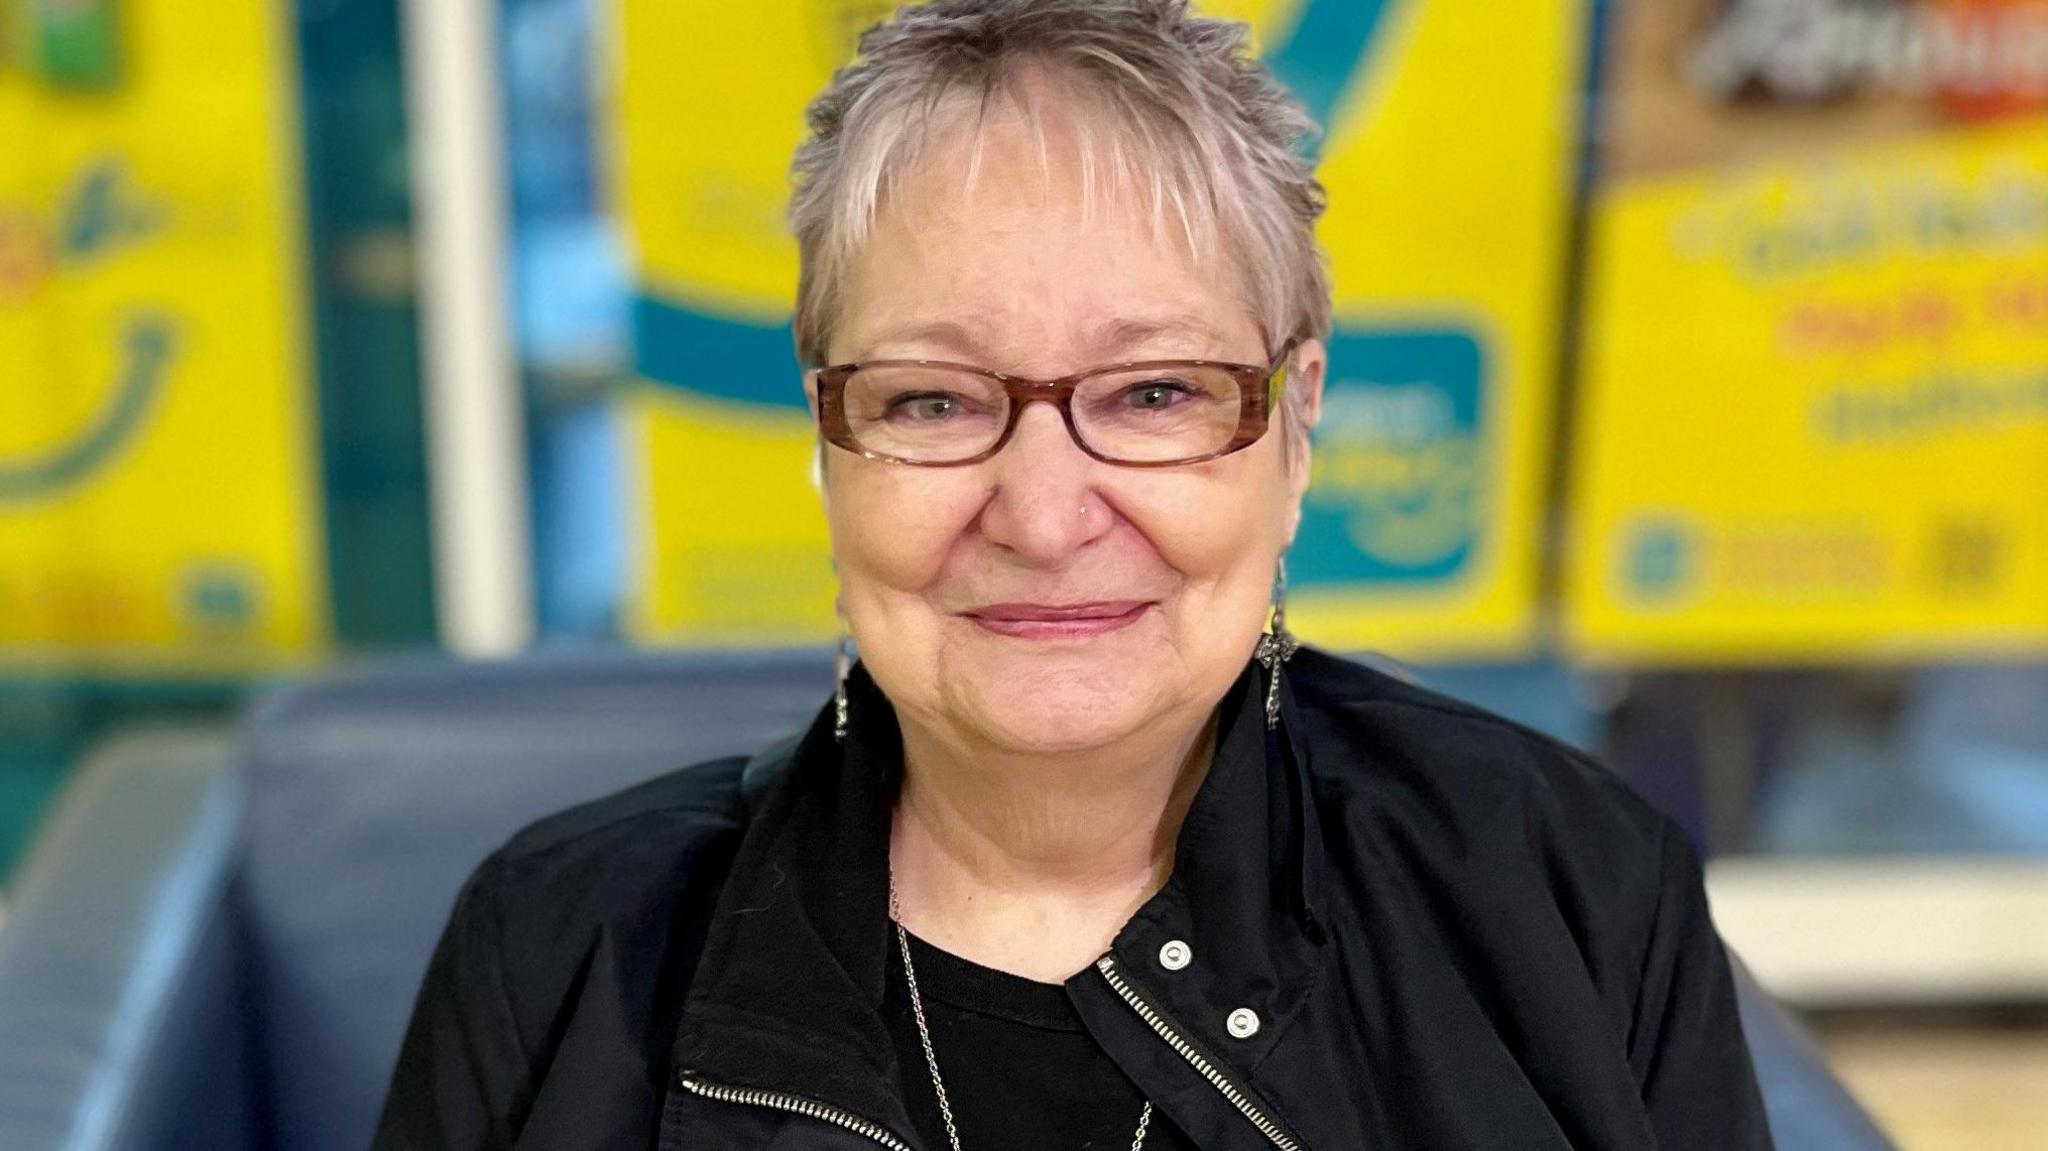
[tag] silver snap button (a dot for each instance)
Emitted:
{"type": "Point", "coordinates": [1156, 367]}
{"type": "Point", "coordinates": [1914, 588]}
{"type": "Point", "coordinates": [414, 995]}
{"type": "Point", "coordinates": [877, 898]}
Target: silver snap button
{"type": "Point", "coordinates": [1243, 1023]}
{"type": "Point", "coordinates": [1175, 954]}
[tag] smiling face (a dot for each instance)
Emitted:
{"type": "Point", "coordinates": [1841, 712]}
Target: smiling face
{"type": "Point", "coordinates": [1042, 600]}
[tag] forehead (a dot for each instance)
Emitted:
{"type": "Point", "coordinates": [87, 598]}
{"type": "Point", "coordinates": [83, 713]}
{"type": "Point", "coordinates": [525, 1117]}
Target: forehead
{"type": "Point", "coordinates": [1028, 229]}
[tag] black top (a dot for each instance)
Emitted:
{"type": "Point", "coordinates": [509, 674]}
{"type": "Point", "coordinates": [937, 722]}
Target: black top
{"type": "Point", "coordinates": [1021, 1072]}
{"type": "Point", "coordinates": [1453, 934]}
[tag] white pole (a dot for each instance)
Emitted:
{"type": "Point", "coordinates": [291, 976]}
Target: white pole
{"type": "Point", "coordinates": [475, 415]}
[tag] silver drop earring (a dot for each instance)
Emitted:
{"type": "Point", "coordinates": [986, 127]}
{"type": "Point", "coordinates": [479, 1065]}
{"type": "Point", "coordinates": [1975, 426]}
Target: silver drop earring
{"type": "Point", "coordinates": [842, 666]}
{"type": "Point", "coordinates": [1276, 647]}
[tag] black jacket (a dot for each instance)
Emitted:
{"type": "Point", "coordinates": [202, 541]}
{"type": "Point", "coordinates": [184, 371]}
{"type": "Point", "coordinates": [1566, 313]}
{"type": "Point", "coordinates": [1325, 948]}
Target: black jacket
{"type": "Point", "coordinates": [1454, 933]}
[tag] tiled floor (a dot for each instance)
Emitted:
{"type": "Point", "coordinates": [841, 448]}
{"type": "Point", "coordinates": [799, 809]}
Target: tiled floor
{"type": "Point", "coordinates": [1951, 1086]}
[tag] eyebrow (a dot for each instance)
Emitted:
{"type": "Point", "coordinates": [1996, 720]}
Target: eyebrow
{"type": "Point", "coordinates": [1128, 333]}
{"type": "Point", "coordinates": [1111, 340]}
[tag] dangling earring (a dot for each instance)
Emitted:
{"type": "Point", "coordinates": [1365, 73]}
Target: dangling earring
{"type": "Point", "coordinates": [1276, 647]}
{"type": "Point", "coordinates": [842, 665]}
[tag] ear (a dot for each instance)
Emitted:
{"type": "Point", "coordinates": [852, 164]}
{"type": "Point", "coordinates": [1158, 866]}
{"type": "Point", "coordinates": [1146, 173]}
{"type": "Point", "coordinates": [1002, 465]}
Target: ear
{"type": "Point", "coordinates": [811, 393]}
{"type": "Point", "coordinates": [1304, 396]}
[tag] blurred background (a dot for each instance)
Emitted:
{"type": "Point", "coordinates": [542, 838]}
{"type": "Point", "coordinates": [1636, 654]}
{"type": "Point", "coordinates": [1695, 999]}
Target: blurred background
{"type": "Point", "coordinates": [1689, 402]}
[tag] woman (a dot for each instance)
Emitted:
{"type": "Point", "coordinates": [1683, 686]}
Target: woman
{"type": "Point", "coordinates": [1079, 857]}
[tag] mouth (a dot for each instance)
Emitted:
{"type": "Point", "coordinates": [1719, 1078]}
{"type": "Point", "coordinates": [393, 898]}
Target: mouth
{"type": "Point", "coordinates": [1041, 621]}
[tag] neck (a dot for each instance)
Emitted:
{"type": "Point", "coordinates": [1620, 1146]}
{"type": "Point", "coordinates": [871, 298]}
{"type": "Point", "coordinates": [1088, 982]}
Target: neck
{"type": "Point", "coordinates": [1031, 863]}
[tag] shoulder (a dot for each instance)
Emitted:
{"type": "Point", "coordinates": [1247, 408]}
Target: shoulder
{"type": "Point", "coordinates": [597, 857]}
{"type": "Point", "coordinates": [690, 795]}
{"type": "Point", "coordinates": [556, 950]}
{"type": "Point", "coordinates": [1388, 757]}
{"type": "Point", "coordinates": [633, 875]}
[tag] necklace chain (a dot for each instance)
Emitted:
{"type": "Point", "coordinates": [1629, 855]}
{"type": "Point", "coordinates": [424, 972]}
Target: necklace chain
{"type": "Point", "coordinates": [924, 1037]}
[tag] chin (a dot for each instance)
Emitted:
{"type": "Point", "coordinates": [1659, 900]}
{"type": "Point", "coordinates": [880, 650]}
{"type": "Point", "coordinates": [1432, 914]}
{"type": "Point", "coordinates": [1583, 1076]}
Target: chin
{"type": "Point", "coordinates": [1043, 733]}
{"type": "Point", "coordinates": [1057, 705]}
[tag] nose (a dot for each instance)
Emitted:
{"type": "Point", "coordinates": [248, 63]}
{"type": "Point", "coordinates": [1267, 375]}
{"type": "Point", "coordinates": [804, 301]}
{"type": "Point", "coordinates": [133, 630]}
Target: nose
{"type": "Point", "coordinates": [1044, 507]}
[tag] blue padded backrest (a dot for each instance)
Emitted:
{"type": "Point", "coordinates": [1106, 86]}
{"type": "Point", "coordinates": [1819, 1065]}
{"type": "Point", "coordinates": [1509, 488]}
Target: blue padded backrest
{"type": "Point", "coordinates": [370, 798]}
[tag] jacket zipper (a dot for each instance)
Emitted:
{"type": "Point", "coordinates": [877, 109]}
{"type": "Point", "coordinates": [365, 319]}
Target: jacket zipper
{"type": "Point", "coordinates": [795, 1104]}
{"type": "Point", "coordinates": [825, 1112]}
{"type": "Point", "coordinates": [1237, 1096]}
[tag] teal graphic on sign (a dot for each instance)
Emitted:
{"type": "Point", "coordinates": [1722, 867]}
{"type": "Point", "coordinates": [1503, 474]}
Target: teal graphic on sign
{"type": "Point", "coordinates": [148, 350]}
{"type": "Point", "coordinates": [1400, 483]}
{"type": "Point", "coordinates": [1659, 560]}
{"type": "Point", "coordinates": [103, 215]}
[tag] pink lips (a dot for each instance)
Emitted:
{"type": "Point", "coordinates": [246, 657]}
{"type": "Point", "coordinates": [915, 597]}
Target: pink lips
{"type": "Point", "coordinates": [1042, 621]}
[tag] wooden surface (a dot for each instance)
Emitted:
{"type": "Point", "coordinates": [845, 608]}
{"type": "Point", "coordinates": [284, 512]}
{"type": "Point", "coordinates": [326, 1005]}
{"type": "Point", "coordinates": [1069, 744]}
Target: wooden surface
{"type": "Point", "coordinates": [1949, 1086]}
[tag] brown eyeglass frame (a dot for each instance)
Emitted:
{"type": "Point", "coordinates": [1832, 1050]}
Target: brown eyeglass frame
{"type": "Point", "coordinates": [1259, 390]}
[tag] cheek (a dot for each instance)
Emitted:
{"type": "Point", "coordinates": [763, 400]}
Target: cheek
{"type": "Point", "coordinates": [1222, 525]}
{"type": "Point", "coordinates": [893, 527]}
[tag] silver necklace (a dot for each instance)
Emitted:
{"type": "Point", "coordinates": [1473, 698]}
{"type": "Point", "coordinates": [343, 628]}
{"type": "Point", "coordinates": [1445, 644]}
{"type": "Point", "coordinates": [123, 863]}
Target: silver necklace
{"type": "Point", "coordinates": [924, 1037]}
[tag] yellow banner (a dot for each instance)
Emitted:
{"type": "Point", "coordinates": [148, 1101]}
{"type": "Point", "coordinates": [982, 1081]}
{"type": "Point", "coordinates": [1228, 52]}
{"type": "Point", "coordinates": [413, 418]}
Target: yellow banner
{"type": "Point", "coordinates": [1452, 129]}
{"type": "Point", "coordinates": [158, 483]}
{"type": "Point", "coordinates": [1815, 417]}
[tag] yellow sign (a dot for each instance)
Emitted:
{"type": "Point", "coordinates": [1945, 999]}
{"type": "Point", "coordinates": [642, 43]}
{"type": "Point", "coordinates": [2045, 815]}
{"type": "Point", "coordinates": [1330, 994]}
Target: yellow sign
{"type": "Point", "coordinates": [158, 501]}
{"type": "Point", "coordinates": [1815, 417]}
{"type": "Point", "coordinates": [1452, 129]}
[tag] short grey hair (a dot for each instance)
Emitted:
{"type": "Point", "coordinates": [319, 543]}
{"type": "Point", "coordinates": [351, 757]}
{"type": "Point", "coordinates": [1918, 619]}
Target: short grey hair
{"type": "Point", "coordinates": [1188, 115]}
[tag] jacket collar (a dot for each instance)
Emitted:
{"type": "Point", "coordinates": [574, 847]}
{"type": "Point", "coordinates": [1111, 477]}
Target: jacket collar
{"type": "Point", "coordinates": [787, 996]}
{"type": "Point", "coordinates": [1247, 869]}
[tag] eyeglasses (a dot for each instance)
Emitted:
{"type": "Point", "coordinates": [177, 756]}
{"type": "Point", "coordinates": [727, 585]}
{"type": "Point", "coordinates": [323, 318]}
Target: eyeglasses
{"type": "Point", "coordinates": [1150, 414]}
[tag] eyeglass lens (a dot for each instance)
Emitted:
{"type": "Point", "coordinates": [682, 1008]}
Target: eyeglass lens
{"type": "Point", "coordinates": [930, 414]}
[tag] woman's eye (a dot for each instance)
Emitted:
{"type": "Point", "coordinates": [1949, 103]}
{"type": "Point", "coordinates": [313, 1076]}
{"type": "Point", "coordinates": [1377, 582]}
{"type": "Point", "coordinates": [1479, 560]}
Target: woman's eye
{"type": "Point", "coordinates": [1157, 395]}
{"type": "Point", "coordinates": [925, 406]}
